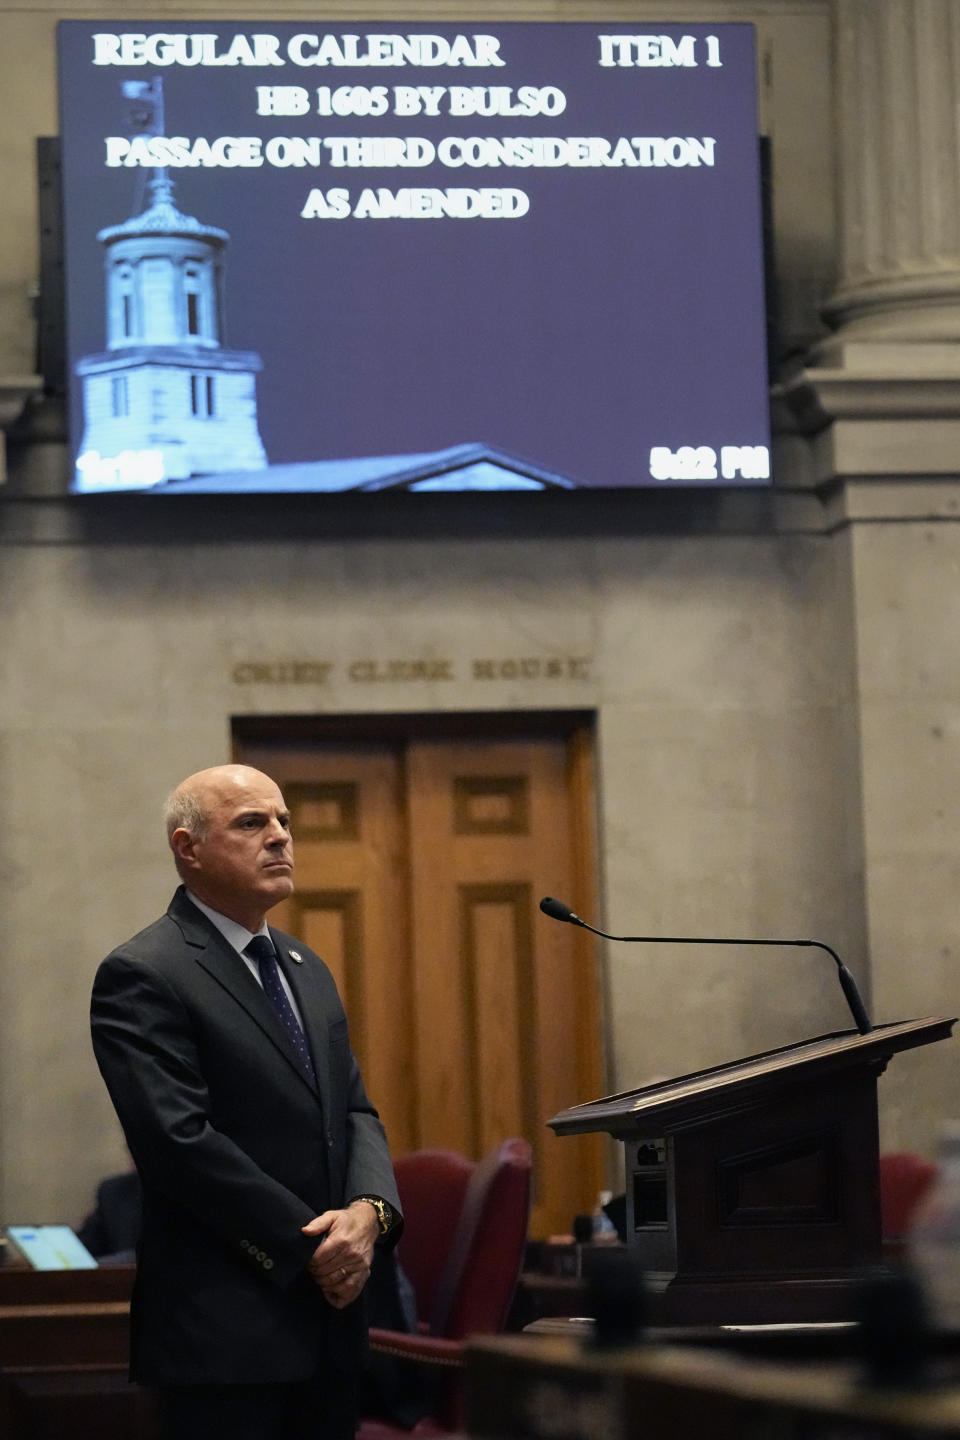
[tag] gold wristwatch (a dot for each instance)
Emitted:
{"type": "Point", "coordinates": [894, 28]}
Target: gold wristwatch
{"type": "Point", "coordinates": [384, 1212]}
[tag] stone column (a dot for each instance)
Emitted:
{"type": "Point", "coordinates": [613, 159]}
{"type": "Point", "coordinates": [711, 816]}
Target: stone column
{"type": "Point", "coordinates": [882, 393]}
{"type": "Point", "coordinates": [898, 154]}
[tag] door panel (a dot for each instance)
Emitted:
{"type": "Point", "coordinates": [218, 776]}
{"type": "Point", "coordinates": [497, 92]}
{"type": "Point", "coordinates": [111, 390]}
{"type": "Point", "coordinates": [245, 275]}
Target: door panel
{"type": "Point", "coordinates": [346, 811]}
{"type": "Point", "coordinates": [420, 865]}
{"type": "Point", "coordinates": [498, 988]}
{"type": "Point", "coordinates": [497, 973]}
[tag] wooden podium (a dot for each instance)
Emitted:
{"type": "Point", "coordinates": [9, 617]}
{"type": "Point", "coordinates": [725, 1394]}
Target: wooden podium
{"type": "Point", "coordinates": [753, 1188]}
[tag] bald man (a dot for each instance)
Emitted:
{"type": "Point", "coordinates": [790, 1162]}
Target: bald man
{"type": "Point", "coordinates": [266, 1176]}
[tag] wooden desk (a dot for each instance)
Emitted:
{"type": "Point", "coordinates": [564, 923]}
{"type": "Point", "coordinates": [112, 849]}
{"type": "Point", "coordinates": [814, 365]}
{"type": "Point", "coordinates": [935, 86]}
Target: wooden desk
{"type": "Point", "coordinates": [534, 1388]}
{"type": "Point", "coordinates": [64, 1350]}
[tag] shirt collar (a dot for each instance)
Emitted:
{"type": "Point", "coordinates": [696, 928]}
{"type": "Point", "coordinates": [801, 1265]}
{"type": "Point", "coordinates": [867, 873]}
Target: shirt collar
{"type": "Point", "coordinates": [234, 934]}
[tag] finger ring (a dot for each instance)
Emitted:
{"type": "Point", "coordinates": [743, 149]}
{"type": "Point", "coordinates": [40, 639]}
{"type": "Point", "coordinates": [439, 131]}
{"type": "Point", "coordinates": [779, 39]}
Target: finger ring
{"type": "Point", "coordinates": [343, 1272]}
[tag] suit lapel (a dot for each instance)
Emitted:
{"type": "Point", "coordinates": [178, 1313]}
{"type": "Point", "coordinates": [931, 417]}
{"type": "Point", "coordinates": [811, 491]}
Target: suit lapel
{"type": "Point", "coordinates": [222, 962]}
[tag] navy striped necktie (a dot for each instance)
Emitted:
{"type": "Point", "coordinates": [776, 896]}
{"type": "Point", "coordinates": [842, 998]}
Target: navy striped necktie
{"type": "Point", "coordinates": [261, 950]}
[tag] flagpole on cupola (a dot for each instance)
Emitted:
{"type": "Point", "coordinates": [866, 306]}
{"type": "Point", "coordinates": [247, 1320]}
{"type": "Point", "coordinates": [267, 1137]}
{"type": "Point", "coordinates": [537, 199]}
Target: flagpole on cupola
{"type": "Point", "coordinates": [148, 117]}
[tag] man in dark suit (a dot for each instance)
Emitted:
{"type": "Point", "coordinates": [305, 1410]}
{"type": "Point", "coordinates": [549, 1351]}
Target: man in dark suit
{"type": "Point", "coordinates": [265, 1170]}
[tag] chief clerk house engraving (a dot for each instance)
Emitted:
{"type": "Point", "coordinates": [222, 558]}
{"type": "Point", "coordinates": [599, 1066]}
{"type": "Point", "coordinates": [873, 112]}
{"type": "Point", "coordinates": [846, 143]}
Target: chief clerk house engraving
{"type": "Point", "coordinates": [165, 400]}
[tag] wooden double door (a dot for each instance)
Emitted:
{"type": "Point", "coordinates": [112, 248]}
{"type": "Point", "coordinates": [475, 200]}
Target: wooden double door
{"type": "Point", "coordinates": [420, 863]}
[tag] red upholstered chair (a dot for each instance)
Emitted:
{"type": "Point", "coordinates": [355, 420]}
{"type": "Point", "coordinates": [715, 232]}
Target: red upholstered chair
{"type": "Point", "coordinates": [462, 1250]}
{"type": "Point", "coordinates": [904, 1180]}
{"type": "Point", "coordinates": [432, 1186]}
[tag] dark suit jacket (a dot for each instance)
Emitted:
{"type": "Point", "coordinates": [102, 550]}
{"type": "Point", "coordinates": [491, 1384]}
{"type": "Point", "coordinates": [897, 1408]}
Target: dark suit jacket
{"type": "Point", "coordinates": [236, 1150]}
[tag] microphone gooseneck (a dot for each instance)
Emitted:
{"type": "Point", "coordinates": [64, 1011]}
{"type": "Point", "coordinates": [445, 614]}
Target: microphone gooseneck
{"type": "Point", "coordinates": [557, 910]}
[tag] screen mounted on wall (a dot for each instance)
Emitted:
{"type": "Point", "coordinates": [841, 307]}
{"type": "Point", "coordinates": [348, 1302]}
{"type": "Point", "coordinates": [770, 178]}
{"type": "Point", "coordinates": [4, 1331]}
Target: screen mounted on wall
{"type": "Point", "coordinates": [307, 257]}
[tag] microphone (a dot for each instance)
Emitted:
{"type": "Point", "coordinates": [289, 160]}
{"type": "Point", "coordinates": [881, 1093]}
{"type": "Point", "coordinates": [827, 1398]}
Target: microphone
{"type": "Point", "coordinates": [558, 911]}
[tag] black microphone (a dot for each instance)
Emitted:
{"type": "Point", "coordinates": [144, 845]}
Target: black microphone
{"type": "Point", "coordinates": [558, 911]}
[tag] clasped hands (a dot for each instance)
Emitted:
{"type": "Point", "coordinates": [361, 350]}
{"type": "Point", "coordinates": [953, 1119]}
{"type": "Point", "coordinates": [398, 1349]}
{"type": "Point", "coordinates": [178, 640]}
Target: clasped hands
{"type": "Point", "coordinates": [341, 1262]}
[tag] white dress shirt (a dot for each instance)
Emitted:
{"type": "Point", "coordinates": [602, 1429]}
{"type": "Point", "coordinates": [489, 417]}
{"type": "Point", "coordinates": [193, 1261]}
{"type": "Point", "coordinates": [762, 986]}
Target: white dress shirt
{"type": "Point", "coordinates": [239, 938]}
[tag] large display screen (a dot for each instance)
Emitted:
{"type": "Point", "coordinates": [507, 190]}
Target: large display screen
{"type": "Point", "coordinates": [373, 256]}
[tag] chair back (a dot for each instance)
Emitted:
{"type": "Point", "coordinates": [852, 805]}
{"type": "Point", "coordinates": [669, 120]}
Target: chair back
{"type": "Point", "coordinates": [465, 1231]}
{"type": "Point", "coordinates": [432, 1185]}
{"type": "Point", "coordinates": [462, 1248]}
{"type": "Point", "coordinates": [486, 1257]}
{"type": "Point", "coordinates": [905, 1178]}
